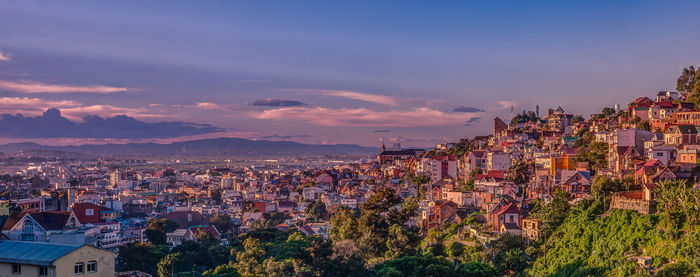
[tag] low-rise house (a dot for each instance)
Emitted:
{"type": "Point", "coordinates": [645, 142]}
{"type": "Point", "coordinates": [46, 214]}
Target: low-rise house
{"type": "Point", "coordinates": [503, 213]}
{"type": "Point", "coordinates": [19, 258]}
{"type": "Point", "coordinates": [532, 229]}
{"type": "Point", "coordinates": [652, 172]}
{"type": "Point", "coordinates": [666, 154]}
{"type": "Point", "coordinates": [38, 226]}
{"type": "Point", "coordinates": [681, 134]}
{"type": "Point", "coordinates": [577, 183]}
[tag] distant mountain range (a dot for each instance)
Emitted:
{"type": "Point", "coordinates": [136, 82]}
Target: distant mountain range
{"type": "Point", "coordinates": [236, 146]}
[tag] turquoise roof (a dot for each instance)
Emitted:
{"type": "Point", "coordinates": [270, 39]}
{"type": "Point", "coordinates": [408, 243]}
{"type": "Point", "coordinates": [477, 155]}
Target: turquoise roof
{"type": "Point", "coordinates": [35, 253]}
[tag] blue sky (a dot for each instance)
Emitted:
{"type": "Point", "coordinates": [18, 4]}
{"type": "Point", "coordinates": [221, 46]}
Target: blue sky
{"type": "Point", "coordinates": [364, 71]}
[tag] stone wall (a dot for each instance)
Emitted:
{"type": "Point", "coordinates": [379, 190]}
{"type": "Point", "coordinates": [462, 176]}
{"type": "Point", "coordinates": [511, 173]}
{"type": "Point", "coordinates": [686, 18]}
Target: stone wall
{"type": "Point", "coordinates": [639, 205]}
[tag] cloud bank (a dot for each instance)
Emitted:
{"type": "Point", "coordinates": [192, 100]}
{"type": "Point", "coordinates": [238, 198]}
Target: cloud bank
{"type": "Point", "coordinates": [51, 124]}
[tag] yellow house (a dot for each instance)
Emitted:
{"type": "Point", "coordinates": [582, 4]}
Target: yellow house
{"type": "Point", "coordinates": [562, 162]}
{"type": "Point", "coordinates": [19, 258]}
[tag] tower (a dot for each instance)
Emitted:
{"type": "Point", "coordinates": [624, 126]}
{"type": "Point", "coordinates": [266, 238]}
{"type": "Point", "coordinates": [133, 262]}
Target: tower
{"type": "Point", "coordinates": [383, 147]}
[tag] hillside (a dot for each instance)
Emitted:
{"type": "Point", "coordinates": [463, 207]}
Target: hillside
{"type": "Point", "coordinates": [587, 245]}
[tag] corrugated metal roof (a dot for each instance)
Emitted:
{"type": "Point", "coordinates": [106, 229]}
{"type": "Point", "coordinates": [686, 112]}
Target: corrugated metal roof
{"type": "Point", "coordinates": [35, 253]}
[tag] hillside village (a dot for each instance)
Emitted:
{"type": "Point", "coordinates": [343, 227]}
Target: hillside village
{"type": "Point", "coordinates": [478, 189]}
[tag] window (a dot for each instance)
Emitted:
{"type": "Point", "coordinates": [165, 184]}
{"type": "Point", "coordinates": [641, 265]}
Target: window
{"type": "Point", "coordinates": [43, 271]}
{"type": "Point", "coordinates": [79, 268]}
{"type": "Point", "coordinates": [16, 269]}
{"type": "Point", "coordinates": [92, 266]}
{"type": "Point", "coordinates": [28, 226]}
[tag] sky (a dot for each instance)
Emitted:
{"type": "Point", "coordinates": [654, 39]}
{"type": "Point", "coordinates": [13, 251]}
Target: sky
{"type": "Point", "coordinates": [325, 72]}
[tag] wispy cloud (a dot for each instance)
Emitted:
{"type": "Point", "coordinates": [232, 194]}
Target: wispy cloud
{"type": "Point", "coordinates": [37, 87]}
{"type": "Point", "coordinates": [269, 102]}
{"type": "Point", "coordinates": [381, 131]}
{"type": "Point", "coordinates": [354, 95]}
{"type": "Point", "coordinates": [77, 113]}
{"type": "Point", "coordinates": [506, 104]}
{"type": "Point", "coordinates": [472, 120]}
{"type": "Point", "coordinates": [285, 137]}
{"type": "Point", "coordinates": [4, 57]}
{"type": "Point", "coordinates": [362, 117]}
{"type": "Point", "coordinates": [32, 106]}
{"type": "Point", "coordinates": [464, 109]}
{"type": "Point", "coordinates": [209, 106]}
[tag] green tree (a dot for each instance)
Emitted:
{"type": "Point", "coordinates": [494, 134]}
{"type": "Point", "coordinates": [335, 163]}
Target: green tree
{"type": "Point", "coordinates": [171, 264]}
{"type": "Point", "coordinates": [607, 111]}
{"type": "Point", "coordinates": [456, 249]}
{"type": "Point", "coordinates": [519, 173]}
{"type": "Point", "coordinates": [688, 79]}
{"type": "Point", "coordinates": [224, 270]}
{"type": "Point", "coordinates": [401, 241]}
{"type": "Point", "coordinates": [344, 225]}
{"type": "Point", "coordinates": [316, 210]}
{"type": "Point", "coordinates": [222, 222]}
{"type": "Point", "coordinates": [216, 196]}
{"type": "Point", "coordinates": [594, 153]}
{"type": "Point", "coordinates": [644, 125]}
{"type": "Point", "coordinates": [249, 261]}
{"type": "Point", "coordinates": [426, 265]}
{"type": "Point", "coordinates": [140, 256]}
{"type": "Point", "coordinates": [157, 230]}
{"type": "Point", "coordinates": [679, 269]}
{"type": "Point", "coordinates": [476, 269]}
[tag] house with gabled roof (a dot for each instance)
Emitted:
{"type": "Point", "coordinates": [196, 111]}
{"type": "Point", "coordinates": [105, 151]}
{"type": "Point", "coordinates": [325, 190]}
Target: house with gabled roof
{"type": "Point", "coordinates": [652, 172]}
{"type": "Point", "coordinates": [38, 226]}
{"type": "Point", "coordinates": [681, 134]}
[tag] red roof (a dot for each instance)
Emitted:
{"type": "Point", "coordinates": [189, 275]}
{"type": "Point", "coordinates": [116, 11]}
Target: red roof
{"type": "Point", "coordinates": [490, 174]}
{"type": "Point", "coordinates": [87, 212]}
{"type": "Point", "coordinates": [510, 208]}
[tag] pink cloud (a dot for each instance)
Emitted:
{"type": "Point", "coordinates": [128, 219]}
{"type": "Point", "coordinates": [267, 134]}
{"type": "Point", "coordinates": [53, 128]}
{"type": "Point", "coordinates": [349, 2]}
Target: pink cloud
{"type": "Point", "coordinates": [32, 106]}
{"type": "Point", "coordinates": [4, 57]}
{"type": "Point", "coordinates": [36, 87]}
{"type": "Point", "coordinates": [362, 117]}
{"type": "Point", "coordinates": [209, 106]}
{"type": "Point", "coordinates": [355, 95]}
{"type": "Point", "coordinates": [77, 113]}
{"type": "Point", "coordinates": [72, 110]}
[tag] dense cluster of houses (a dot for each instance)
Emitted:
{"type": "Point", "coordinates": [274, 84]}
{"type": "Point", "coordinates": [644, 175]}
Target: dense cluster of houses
{"type": "Point", "coordinates": [650, 141]}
